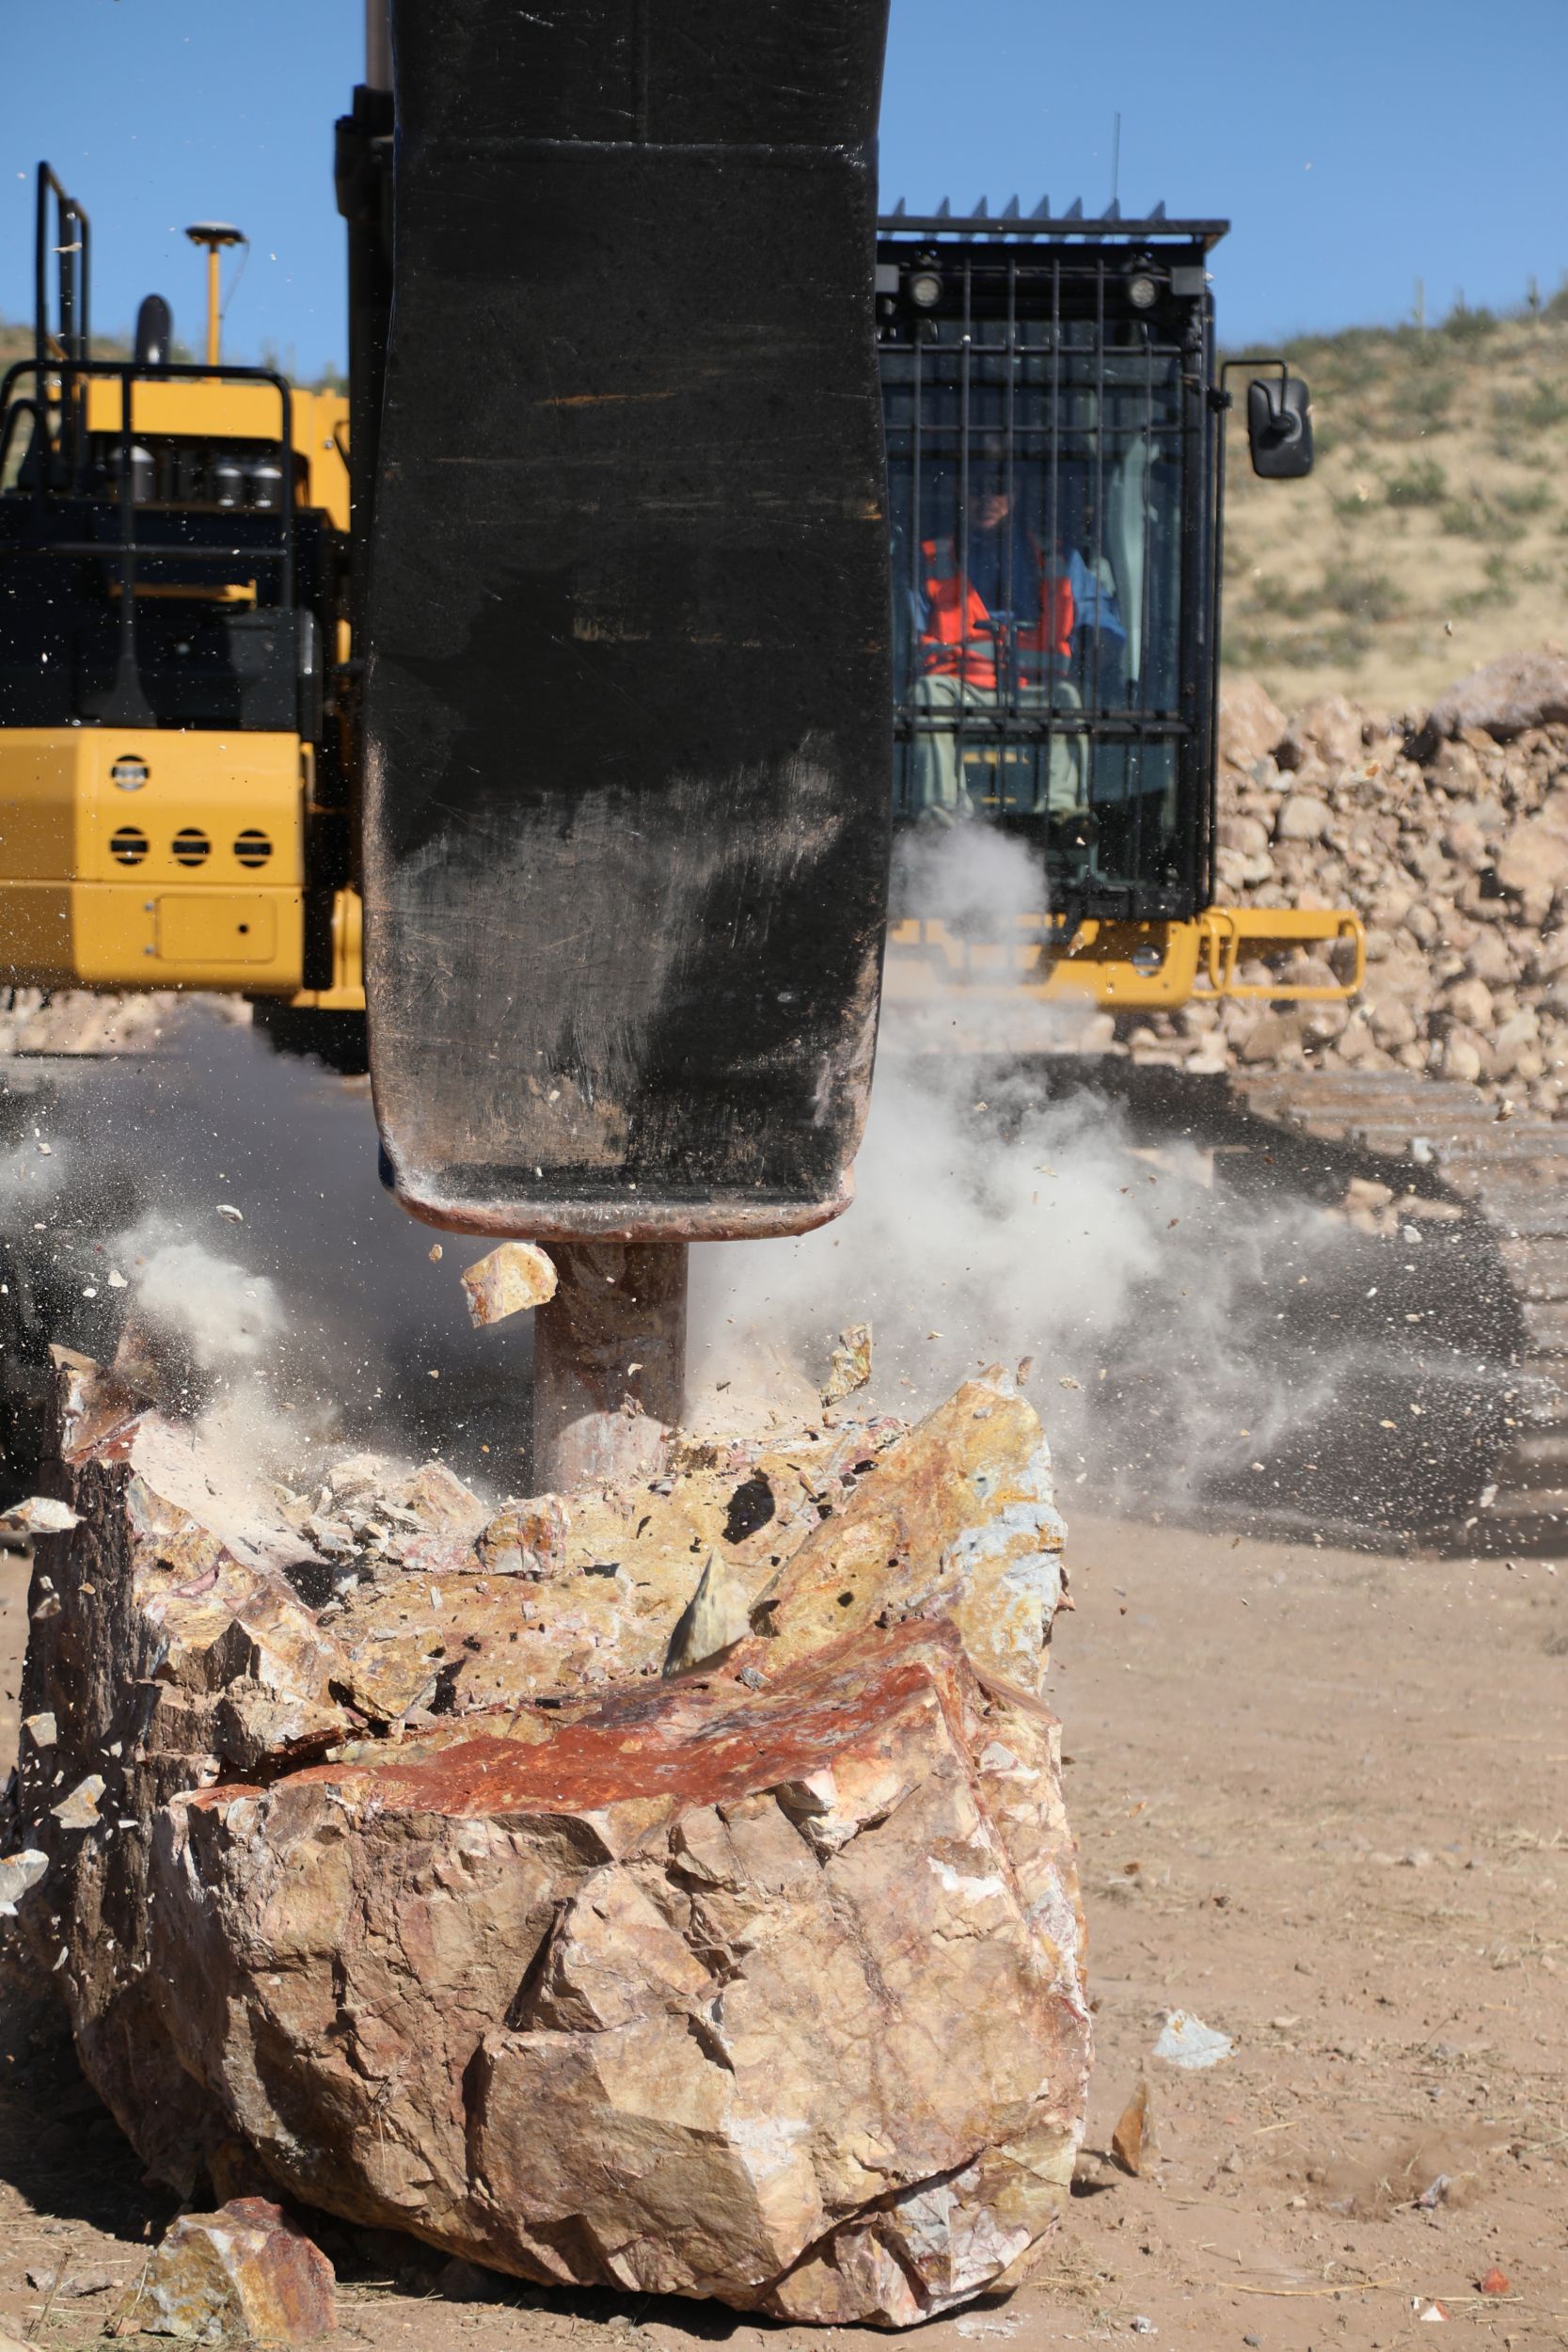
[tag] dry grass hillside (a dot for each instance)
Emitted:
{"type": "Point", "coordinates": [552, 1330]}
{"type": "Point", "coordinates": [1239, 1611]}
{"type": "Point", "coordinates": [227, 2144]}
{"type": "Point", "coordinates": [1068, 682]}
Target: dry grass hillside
{"type": "Point", "coordinates": [1433, 534]}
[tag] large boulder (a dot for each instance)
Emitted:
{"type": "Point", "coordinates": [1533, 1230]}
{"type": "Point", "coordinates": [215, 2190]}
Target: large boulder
{"type": "Point", "coordinates": [768, 1994]}
{"type": "Point", "coordinates": [383, 1834]}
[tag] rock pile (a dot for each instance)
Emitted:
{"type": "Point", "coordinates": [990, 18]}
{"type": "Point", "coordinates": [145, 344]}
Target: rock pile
{"type": "Point", "coordinates": [1448, 833]}
{"type": "Point", "coordinates": [376, 1836]}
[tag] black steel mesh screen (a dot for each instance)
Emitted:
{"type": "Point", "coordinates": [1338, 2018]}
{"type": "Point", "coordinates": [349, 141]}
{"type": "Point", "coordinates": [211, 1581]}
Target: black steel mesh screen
{"type": "Point", "coordinates": [1038, 438]}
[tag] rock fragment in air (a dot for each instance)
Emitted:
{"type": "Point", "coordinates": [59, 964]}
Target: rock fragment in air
{"type": "Point", "coordinates": [80, 1809]}
{"type": "Point", "coordinates": [18, 1873]}
{"type": "Point", "coordinates": [41, 1515]}
{"type": "Point", "coordinates": [507, 1280]}
{"type": "Point", "coordinates": [850, 1366]}
{"type": "Point", "coordinates": [243, 2275]}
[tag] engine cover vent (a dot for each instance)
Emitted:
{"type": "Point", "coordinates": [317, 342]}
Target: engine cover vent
{"type": "Point", "coordinates": [191, 846]}
{"type": "Point", "coordinates": [128, 846]}
{"type": "Point", "coordinates": [252, 847]}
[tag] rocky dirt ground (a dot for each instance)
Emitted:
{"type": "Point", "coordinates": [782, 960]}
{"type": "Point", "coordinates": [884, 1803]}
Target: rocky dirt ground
{"type": "Point", "coordinates": [1320, 1802]}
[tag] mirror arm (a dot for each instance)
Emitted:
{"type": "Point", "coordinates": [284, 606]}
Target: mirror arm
{"type": "Point", "coordinates": [1276, 402]}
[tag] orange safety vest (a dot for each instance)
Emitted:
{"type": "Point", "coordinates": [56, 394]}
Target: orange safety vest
{"type": "Point", "coordinates": [959, 636]}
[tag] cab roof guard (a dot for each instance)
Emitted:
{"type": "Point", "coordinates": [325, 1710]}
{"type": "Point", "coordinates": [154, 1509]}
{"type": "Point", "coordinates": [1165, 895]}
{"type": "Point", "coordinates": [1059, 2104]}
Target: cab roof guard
{"type": "Point", "coordinates": [1043, 222]}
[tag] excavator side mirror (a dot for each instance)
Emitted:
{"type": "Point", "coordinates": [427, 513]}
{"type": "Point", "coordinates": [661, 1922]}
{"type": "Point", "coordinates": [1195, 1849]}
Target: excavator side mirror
{"type": "Point", "coordinates": [1279, 427]}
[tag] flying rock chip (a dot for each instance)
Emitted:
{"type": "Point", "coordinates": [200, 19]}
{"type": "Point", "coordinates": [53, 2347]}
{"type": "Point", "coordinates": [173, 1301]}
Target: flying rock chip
{"type": "Point", "coordinates": [506, 1281]}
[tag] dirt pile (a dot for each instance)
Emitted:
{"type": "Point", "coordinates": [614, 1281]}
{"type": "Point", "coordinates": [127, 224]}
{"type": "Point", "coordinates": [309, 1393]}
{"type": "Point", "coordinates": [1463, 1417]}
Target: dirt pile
{"type": "Point", "coordinates": [1448, 833]}
{"type": "Point", "coordinates": [379, 1833]}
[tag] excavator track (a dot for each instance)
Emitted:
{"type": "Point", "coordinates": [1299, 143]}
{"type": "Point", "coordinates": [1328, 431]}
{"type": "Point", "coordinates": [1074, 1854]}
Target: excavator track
{"type": "Point", "coordinates": [1417, 1379]}
{"type": "Point", "coordinates": [1508, 1173]}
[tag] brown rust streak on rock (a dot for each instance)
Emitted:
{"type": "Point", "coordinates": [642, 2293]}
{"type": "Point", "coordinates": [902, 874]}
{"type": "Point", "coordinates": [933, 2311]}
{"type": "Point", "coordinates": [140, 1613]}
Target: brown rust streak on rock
{"type": "Point", "coordinates": [695, 1745]}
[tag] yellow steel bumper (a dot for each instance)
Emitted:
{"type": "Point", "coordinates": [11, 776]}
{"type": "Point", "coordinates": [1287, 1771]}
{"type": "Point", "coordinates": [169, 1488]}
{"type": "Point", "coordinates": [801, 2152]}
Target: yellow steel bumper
{"type": "Point", "coordinates": [1230, 936]}
{"type": "Point", "coordinates": [346, 992]}
{"type": "Point", "coordinates": [1120, 966]}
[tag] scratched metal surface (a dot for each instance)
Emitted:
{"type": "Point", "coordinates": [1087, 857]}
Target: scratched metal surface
{"type": "Point", "coordinates": [628, 695]}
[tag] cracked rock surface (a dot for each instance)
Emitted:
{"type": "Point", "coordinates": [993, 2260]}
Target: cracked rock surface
{"type": "Point", "coordinates": [760, 1980]}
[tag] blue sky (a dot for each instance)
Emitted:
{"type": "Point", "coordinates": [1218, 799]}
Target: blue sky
{"type": "Point", "coordinates": [1357, 144]}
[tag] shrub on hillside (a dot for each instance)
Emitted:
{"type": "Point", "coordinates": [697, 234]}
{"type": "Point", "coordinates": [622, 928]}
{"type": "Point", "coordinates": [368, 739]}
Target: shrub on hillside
{"type": "Point", "coordinates": [1360, 594]}
{"type": "Point", "coordinates": [1464, 325]}
{"type": "Point", "coordinates": [1422, 484]}
{"type": "Point", "coordinates": [1536, 410]}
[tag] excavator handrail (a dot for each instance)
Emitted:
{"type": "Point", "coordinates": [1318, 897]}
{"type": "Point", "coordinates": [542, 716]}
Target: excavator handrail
{"type": "Point", "coordinates": [129, 706]}
{"type": "Point", "coordinates": [1224, 932]}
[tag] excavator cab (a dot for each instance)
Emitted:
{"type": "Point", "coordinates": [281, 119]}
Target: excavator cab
{"type": "Point", "coordinates": [1052, 478]}
{"type": "Point", "coordinates": [1054, 464]}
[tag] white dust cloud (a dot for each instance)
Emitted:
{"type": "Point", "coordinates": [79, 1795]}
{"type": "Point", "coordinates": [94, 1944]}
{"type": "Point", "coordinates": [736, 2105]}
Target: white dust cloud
{"type": "Point", "coordinates": [212, 1305]}
{"type": "Point", "coordinates": [992, 1225]}
{"type": "Point", "coordinates": [317, 1323]}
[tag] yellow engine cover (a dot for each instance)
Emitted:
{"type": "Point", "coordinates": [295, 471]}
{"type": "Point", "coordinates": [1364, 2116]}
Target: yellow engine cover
{"type": "Point", "coordinates": [151, 858]}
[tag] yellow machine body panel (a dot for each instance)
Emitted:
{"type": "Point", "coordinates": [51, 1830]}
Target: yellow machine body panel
{"type": "Point", "coordinates": [346, 991]}
{"type": "Point", "coordinates": [151, 858]}
{"type": "Point", "coordinates": [220, 411]}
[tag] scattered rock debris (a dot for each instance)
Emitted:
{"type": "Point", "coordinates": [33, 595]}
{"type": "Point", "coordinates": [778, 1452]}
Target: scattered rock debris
{"type": "Point", "coordinates": [850, 1368]}
{"type": "Point", "coordinates": [19, 1874]}
{"type": "Point", "coordinates": [41, 1515]}
{"type": "Point", "coordinates": [1133, 2138]}
{"type": "Point", "coordinates": [1185, 2040]}
{"type": "Point", "coordinates": [243, 2275]}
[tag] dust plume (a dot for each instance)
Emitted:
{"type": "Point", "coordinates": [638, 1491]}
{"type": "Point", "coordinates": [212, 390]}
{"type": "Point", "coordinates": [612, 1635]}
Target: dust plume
{"type": "Point", "coordinates": [316, 1319]}
{"type": "Point", "coordinates": [978, 880]}
{"type": "Point", "coordinates": [209, 1303]}
{"type": "Point", "coordinates": [988, 890]}
{"type": "Point", "coordinates": [1009, 1207]}
{"type": "Point", "coordinates": [995, 1222]}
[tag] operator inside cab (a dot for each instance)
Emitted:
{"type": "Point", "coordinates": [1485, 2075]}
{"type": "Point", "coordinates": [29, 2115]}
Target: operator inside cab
{"type": "Point", "coordinates": [1006, 622]}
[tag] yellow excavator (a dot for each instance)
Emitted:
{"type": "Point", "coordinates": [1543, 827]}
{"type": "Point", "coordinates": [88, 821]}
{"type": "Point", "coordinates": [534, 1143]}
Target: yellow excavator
{"type": "Point", "coordinates": [173, 641]}
{"type": "Point", "coordinates": [178, 697]}
{"type": "Point", "coordinates": [522, 725]}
